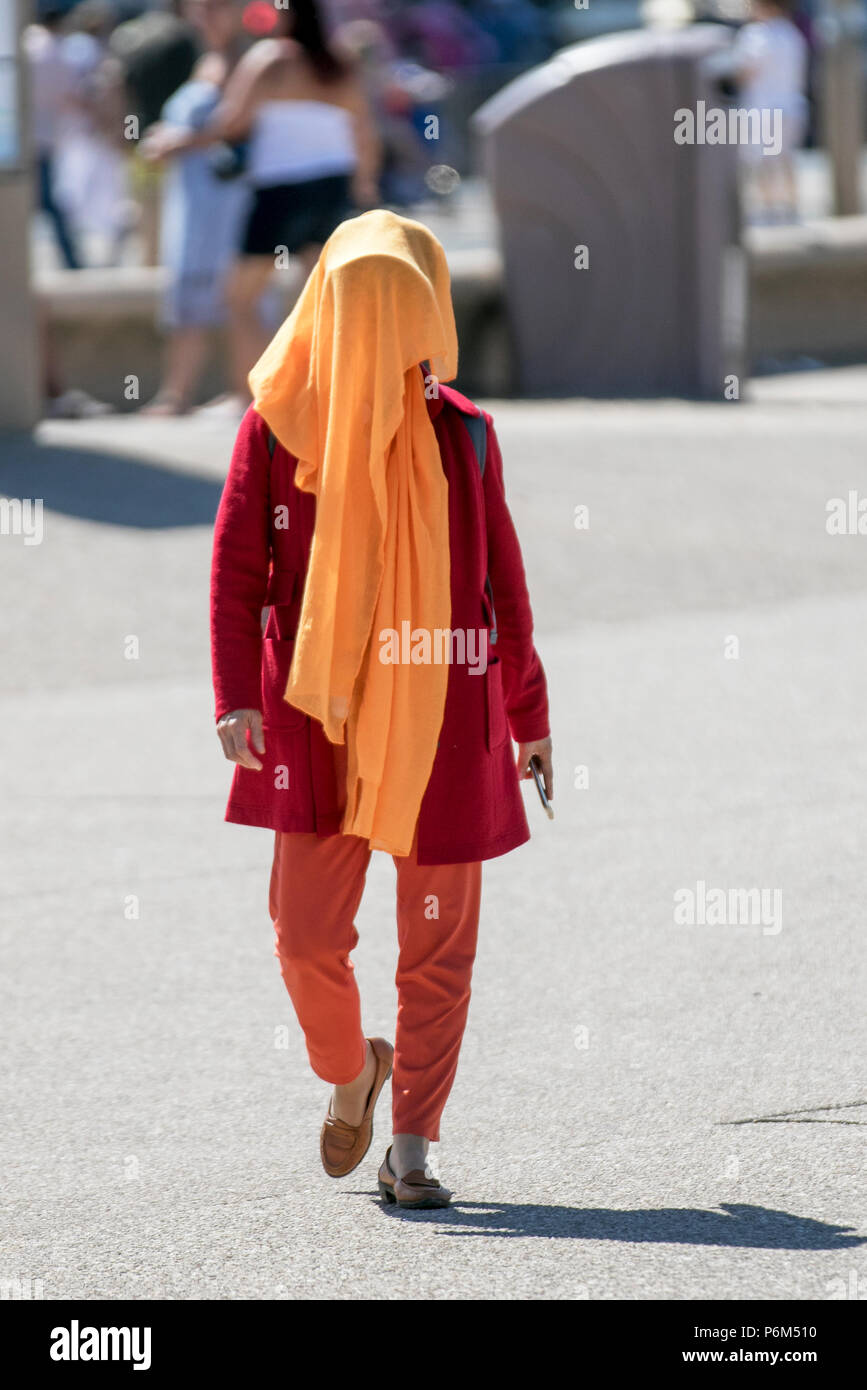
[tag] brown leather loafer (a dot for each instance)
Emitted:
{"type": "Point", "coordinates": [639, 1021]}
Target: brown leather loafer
{"type": "Point", "coordinates": [414, 1190]}
{"type": "Point", "coordinates": [343, 1146]}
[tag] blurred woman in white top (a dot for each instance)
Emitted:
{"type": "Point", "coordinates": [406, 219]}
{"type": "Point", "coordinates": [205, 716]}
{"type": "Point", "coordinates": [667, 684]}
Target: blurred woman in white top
{"type": "Point", "coordinates": [312, 156]}
{"type": "Point", "coordinates": [771, 59]}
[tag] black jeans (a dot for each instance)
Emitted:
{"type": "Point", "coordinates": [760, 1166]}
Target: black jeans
{"type": "Point", "coordinates": [56, 213]}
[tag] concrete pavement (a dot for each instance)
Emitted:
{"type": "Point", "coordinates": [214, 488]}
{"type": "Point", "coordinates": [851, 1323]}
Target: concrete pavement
{"type": "Point", "coordinates": [644, 1109]}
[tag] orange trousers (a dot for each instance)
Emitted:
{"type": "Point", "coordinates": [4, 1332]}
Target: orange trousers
{"type": "Point", "coordinates": [316, 887]}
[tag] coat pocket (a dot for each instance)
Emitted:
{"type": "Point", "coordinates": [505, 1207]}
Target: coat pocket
{"type": "Point", "coordinates": [277, 713]}
{"type": "Point", "coordinates": [498, 728]}
{"type": "Point", "coordinates": [280, 603]}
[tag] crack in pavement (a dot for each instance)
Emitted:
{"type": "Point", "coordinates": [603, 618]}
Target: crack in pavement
{"type": "Point", "coordinates": [804, 1116]}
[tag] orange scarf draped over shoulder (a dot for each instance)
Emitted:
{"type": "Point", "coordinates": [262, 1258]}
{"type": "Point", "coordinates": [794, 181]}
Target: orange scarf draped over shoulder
{"type": "Point", "coordinates": [340, 386]}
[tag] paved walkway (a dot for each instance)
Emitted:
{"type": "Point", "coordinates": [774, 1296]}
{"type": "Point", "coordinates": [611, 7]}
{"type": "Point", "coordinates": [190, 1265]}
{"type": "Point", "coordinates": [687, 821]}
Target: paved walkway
{"type": "Point", "coordinates": [643, 1109]}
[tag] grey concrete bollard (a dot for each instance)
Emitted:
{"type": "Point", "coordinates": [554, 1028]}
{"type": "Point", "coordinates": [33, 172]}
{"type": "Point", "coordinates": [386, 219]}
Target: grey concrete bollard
{"type": "Point", "coordinates": [623, 269]}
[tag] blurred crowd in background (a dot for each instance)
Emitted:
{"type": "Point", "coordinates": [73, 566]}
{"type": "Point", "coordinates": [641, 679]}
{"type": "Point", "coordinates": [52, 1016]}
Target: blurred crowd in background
{"type": "Point", "coordinates": [140, 159]}
{"type": "Point", "coordinates": [109, 78]}
{"type": "Point", "coordinates": [96, 62]}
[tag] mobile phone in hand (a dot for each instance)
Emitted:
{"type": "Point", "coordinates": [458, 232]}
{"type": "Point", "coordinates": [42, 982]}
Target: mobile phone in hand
{"type": "Point", "coordinates": [540, 787]}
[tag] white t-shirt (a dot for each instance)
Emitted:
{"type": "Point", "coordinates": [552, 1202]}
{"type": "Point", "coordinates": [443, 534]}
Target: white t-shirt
{"type": "Point", "coordinates": [776, 53]}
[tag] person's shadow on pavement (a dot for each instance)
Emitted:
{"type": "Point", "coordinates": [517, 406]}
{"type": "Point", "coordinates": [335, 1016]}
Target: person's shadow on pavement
{"type": "Point", "coordinates": [734, 1225]}
{"type": "Point", "coordinates": [106, 487]}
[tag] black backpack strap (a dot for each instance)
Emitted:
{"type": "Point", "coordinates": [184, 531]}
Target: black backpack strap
{"type": "Point", "coordinates": [477, 429]}
{"type": "Point", "coordinates": [489, 591]}
{"type": "Point", "coordinates": [272, 443]}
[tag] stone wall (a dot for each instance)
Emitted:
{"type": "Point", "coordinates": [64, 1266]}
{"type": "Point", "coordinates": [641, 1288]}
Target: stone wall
{"type": "Point", "coordinates": [808, 299]}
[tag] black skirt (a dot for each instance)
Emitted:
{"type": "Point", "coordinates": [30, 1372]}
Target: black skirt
{"type": "Point", "coordinates": [295, 215]}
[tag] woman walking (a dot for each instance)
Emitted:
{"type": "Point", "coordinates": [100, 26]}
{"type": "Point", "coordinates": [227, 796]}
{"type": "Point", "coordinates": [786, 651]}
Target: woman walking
{"type": "Point", "coordinates": [202, 215]}
{"type": "Point", "coordinates": [366, 511]}
{"type": "Point", "coordinates": [771, 60]}
{"type": "Point", "coordinates": [312, 155]}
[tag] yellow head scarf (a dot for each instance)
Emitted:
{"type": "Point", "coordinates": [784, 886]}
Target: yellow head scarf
{"type": "Point", "coordinates": [340, 387]}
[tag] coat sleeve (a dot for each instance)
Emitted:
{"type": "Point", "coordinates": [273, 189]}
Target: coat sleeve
{"type": "Point", "coordinates": [524, 684]}
{"type": "Point", "coordinates": [239, 571]}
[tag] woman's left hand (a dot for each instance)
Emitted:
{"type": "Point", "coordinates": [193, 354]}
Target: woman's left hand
{"type": "Point", "coordinates": [541, 749]}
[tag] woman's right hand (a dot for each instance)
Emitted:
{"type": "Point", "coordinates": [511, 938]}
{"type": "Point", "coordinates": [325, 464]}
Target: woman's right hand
{"type": "Point", "coordinates": [161, 141]}
{"type": "Point", "coordinates": [232, 732]}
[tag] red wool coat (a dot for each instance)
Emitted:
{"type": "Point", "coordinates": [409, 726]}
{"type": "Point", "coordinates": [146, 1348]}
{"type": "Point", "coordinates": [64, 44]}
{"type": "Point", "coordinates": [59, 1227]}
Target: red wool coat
{"type": "Point", "coordinates": [472, 808]}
